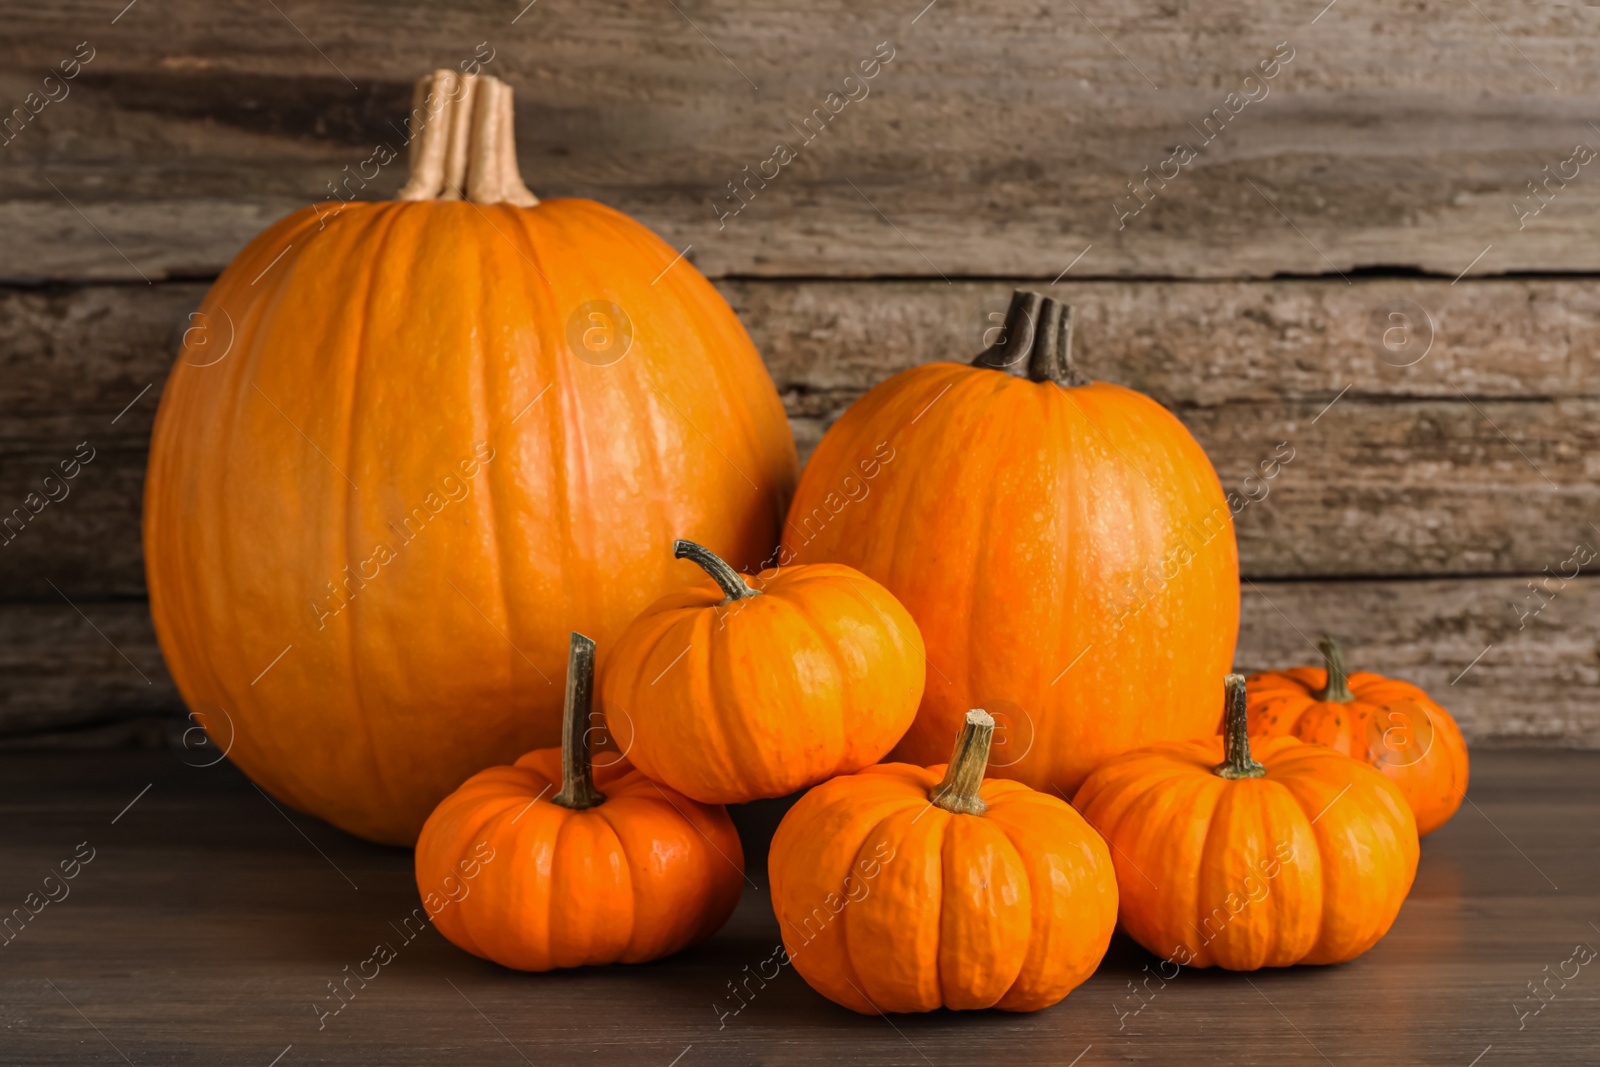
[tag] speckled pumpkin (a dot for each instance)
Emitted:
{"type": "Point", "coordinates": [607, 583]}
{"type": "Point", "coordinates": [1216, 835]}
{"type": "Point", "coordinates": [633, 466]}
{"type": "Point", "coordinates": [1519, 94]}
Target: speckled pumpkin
{"type": "Point", "coordinates": [1390, 724]}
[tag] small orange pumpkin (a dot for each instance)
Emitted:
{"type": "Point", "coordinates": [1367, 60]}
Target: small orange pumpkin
{"type": "Point", "coordinates": [552, 862]}
{"type": "Point", "coordinates": [730, 693]}
{"type": "Point", "coordinates": [1303, 857]}
{"type": "Point", "coordinates": [1390, 724]}
{"type": "Point", "coordinates": [908, 888]}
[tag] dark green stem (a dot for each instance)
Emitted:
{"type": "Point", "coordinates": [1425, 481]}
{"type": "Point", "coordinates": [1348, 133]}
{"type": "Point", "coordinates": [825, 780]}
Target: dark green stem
{"type": "Point", "coordinates": [1337, 689]}
{"type": "Point", "coordinates": [958, 791]}
{"type": "Point", "coordinates": [1236, 761]}
{"type": "Point", "coordinates": [725, 576]}
{"type": "Point", "coordinates": [577, 771]}
{"type": "Point", "coordinates": [1036, 342]}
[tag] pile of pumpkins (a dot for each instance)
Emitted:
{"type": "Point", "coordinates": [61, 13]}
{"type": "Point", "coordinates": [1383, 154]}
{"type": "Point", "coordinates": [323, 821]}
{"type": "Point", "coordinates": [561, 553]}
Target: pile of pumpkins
{"type": "Point", "coordinates": [422, 447]}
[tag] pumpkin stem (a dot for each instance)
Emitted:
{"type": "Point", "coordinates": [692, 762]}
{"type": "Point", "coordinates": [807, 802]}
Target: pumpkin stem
{"type": "Point", "coordinates": [1236, 761]}
{"type": "Point", "coordinates": [725, 576]}
{"type": "Point", "coordinates": [463, 143]}
{"type": "Point", "coordinates": [577, 771]}
{"type": "Point", "coordinates": [958, 792]}
{"type": "Point", "coordinates": [1337, 690]}
{"type": "Point", "coordinates": [1036, 342]}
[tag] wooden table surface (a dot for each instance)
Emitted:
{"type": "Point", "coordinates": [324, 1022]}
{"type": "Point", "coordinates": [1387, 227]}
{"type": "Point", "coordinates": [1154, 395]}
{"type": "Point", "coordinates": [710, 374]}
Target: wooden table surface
{"type": "Point", "coordinates": [209, 921]}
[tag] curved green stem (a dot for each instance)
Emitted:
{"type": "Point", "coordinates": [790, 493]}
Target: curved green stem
{"type": "Point", "coordinates": [1338, 687]}
{"type": "Point", "coordinates": [1236, 761]}
{"type": "Point", "coordinates": [733, 585]}
{"type": "Point", "coordinates": [577, 770]}
{"type": "Point", "coordinates": [958, 791]}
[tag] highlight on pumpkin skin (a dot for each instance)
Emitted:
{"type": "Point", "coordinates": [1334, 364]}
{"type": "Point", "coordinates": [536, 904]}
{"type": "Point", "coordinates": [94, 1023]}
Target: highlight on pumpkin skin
{"type": "Point", "coordinates": [744, 687]}
{"type": "Point", "coordinates": [1391, 724]}
{"type": "Point", "coordinates": [906, 889]}
{"type": "Point", "coordinates": [601, 865]}
{"type": "Point", "coordinates": [1245, 854]}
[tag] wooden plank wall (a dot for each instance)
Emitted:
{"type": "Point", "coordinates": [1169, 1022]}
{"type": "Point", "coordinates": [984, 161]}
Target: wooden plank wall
{"type": "Point", "coordinates": [1383, 168]}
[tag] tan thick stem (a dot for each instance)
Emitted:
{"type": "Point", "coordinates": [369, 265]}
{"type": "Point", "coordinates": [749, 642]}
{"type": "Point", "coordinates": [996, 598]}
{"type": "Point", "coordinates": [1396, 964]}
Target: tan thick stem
{"type": "Point", "coordinates": [510, 175]}
{"type": "Point", "coordinates": [426, 151]}
{"type": "Point", "coordinates": [492, 176]}
{"type": "Point", "coordinates": [463, 141]}
{"type": "Point", "coordinates": [958, 792]}
{"type": "Point", "coordinates": [458, 138]}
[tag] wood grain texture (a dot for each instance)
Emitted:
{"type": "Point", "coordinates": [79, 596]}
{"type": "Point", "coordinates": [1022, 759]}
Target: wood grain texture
{"type": "Point", "coordinates": [1477, 457]}
{"type": "Point", "coordinates": [84, 667]}
{"type": "Point", "coordinates": [1505, 675]}
{"type": "Point", "coordinates": [997, 141]}
{"type": "Point", "coordinates": [81, 371]}
{"type": "Point", "coordinates": [1501, 673]}
{"type": "Point", "coordinates": [208, 924]}
{"type": "Point", "coordinates": [1481, 458]}
{"type": "Point", "coordinates": [1201, 344]}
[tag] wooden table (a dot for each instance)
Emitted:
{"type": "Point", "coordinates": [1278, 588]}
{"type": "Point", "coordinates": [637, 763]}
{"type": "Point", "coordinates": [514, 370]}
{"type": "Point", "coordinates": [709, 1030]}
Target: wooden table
{"type": "Point", "coordinates": [209, 921]}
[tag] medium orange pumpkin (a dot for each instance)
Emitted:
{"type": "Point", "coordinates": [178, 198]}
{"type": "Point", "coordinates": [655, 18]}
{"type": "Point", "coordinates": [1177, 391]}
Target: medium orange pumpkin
{"type": "Point", "coordinates": [1390, 724]}
{"type": "Point", "coordinates": [908, 888]}
{"type": "Point", "coordinates": [552, 862]}
{"type": "Point", "coordinates": [1064, 545]}
{"type": "Point", "coordinates": [1302, 857]}
{"type": "Point", "coordinates": [731, 693]}
{"type": "Point", "coordinates": [407, 446]}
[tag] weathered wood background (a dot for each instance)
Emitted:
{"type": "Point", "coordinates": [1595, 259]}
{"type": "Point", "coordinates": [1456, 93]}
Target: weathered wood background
{"type": "Point", "coordinates": [1438, 468]}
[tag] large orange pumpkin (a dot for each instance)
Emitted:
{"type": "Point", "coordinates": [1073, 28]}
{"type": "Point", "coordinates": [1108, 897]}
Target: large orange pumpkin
{"type": "Point", "coordinates": [1291, 854]}
{"type": "Point", "coordinates": [408, 446]}
{"type": "Point", "coordinates": [553, 862]}
{"type": "Point", "coordinates": [1390, 724]}
{"type": "Point", "coordinates": [913, 888]}
{"type": "Point", "coordinates": [1063, 544]}
{"type": "Point", "coordinates": [729, 692]}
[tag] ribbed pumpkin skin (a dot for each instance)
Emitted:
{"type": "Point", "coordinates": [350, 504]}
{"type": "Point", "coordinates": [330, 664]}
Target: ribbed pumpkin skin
{"type": "Point", "coordinates": [889, 903]}
{"type": "Point", "coordinates": [819, 675]}
{"type": "Point", "coordinates": [1309, 864]}
{"type": "Point", "coordinates": [1012, 521]}
{"type": "Point", "coordinates": [393, 340]}
{"type": "Point", "coordinates": [1284, 704]}
{"type": "Point", "coordinates": [641, 876]}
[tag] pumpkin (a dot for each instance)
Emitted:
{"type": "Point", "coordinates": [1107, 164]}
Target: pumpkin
{"type": "Point", "coordinates": [553, 862]}
{"type": "Point", "coordinates": [1386, 722]}
{"type": "Point", "coordinates": [408, 446]}
{"type": "Point", "coordinates": [730, 691]}
{"type": "Point", "coordinates": [1064, 545]}
{"type": "Point", "coordinates": [907, 888]}
{"type": "Point", "coordinates": [1292, 854]}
